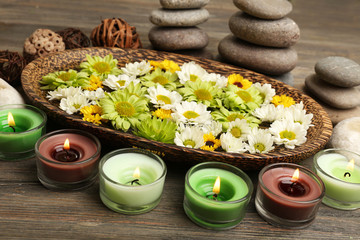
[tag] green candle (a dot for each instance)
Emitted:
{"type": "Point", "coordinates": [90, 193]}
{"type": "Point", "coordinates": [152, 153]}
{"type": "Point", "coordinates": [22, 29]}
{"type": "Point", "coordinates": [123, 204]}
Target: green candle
{"type": "Point", "coordinates": [216, 208]}
{"type": "Point", "coordinates": [340, 172]}
{"type": "Point", "coordinates": [18, 138]}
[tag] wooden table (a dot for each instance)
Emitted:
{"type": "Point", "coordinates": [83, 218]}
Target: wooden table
{"type": "Point", "coordinates": [30, 211]}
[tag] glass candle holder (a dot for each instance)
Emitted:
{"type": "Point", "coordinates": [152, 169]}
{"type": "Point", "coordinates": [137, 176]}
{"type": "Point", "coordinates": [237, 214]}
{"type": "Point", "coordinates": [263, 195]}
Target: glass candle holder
{"type": "Point", "coordinates": [340, 171]}
{"type": "Point", "coordinates": [220, 208]}
{"type": "Point", "coordinates": [18, 137]}
{"type": "Point", "coordinates": [286, 201]}
{"type": "Point", "coordinates": [67, 168]}
{"type": "Point", "coordinates": [131, 180]}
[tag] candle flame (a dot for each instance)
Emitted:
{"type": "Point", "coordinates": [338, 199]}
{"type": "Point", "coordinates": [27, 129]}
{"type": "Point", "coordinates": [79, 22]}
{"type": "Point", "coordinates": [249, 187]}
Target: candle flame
{"type": "Point", "coordinates": [11, 120]}
{"type": "Point", "coordinates": [295, 176]}
{"type": "Point", "coordinates": [216, 188]}
{"type": "Point", "coordinates": [67, 144]}
{"type": "Point", "coordinates": [351, 165]}
{"type": "Point", "coordinates": [136, 173]}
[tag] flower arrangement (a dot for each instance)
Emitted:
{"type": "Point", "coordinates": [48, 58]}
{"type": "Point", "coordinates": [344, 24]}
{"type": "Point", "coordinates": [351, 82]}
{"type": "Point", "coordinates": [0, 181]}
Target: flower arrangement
{"type": "Point", "coordinates": [183, 105]}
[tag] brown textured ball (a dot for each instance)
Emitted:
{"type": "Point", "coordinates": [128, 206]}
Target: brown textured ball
{"type": "Point", "coordinates": [41, 43]}
{"type": "Point", "coordinates": [74, 38]}
{"type": "Point", "coordinates": [11, 66]}
{"type": "Point", "coordinates": [115, 32]}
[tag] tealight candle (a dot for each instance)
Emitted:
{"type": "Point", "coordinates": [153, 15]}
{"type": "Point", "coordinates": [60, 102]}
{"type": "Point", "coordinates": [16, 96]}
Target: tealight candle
{"type": "Point", "coordinates": [288, 195]}
{"type": "Point", "coordinates": [131, 180]}
{"type": "Point", "coordinates": [67, 159]}
{"type": "Point", "coordinates": [216, 195]}
{"type": "Point", "coordinates": [340, 171]}
{"type": "Point", "coordinates": [21, 126]}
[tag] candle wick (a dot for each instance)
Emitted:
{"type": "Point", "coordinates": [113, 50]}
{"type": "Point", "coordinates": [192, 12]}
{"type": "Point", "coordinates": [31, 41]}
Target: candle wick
{"type": "Point", "coordinates": [347, 173]}
{"type": "Point", "coordinates": [292, 184]}
{"type": "Point", "coordinates": [135, 181]}
{"type": "Point", "coordinates": [12, 128]}
{"type": "Point", "coordinates": [215, 196]}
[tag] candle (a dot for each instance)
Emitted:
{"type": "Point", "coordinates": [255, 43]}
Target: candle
{"type": "Point", "coordinates": [216, 195]}
{"type": "Point", "coordinates": [67, 159]}
{"type": "Point", "coordinates": [21, 126]}
{"type": "Point", "coordinates": [131, 180]}
{"type": "Point", "coordinates": [340, 171]}
{"type": "Point", "coordinates": [288, 195]}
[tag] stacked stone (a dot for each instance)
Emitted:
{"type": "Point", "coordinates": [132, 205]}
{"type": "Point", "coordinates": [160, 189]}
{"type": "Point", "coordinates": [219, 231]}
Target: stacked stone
{"type": "Point", "coordinates": [262, 37]}
{"type": "Point", "coordinates": [176, 25]}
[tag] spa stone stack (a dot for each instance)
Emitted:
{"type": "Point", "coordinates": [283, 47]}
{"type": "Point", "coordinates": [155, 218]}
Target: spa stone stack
{"type": "Point", "coordinates": [176, 25]}
{"type": "Point", "coordinates": [262, 37]}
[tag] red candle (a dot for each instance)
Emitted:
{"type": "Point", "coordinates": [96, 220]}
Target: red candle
{"type": "Point", "coordinates": [67, 162]}
{"type": "Point", "coordinates": [288, 192]}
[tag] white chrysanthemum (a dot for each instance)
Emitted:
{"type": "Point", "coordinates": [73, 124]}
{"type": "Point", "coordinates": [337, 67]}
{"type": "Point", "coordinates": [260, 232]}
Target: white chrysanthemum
{"type": "Point", "coordinates": [73, 104]}
{"type": "Point", "coordinates": [266, 91]}
{"type": "Point", "coordinates": [93, 96]}
{"type": "Point", "coordinates": [260, 141]}
{"type": "Point", "coordinates": [60, 93]}
{"type": "Point", "coordinates": [163, 98]}
{"type": "Point", "coordinates": [269, 113]}
{"type": "Point", "coordinates": [214, 127]}
{"type": "Point", "coordinates": [288, 133]}
{"type": "Point", "coordinates": [119, 82]}
{"type": "Point", "coordinates": [297, 113]}
{"type": "Point", "coordinates": [219, 80]}
{"type": "Point", "coordinates": [191, 137]}
{"type": "Point", "coordinates": [239, 128]}
{"type": "Point", "coordinates": [191, 72]}
{"type": "Point", "coordinates": [191, 112]}
{"type": "Point", "coordinates": [137, 68]}
{"type": "Point", "coordinates": [232, 144]}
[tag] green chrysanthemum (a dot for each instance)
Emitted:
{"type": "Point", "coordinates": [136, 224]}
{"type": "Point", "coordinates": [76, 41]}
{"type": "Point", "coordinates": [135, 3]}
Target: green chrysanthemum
{"type": "Point", "coordinates": [101, 67]}
{"type": "Point", "coordinates": [238, 99]}
{"type": "Point", "coordinates": [202, 92]}
{"type": "Point", "coordinates": [137, 90]}
{"type": "Point", "coordinates": [157, 129]}
{"type": "Point", "coordinates": [225, 116]}
{"type": "Point", "coordinates": [123, 110]}
{"type": "Point", "coordinates": [65, 79]}
{"type": "Point", "coordinates": [167, 79]}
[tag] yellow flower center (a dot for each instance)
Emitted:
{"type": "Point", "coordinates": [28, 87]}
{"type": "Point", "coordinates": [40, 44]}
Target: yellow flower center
{"type": "Point", "coordinates": [245, 96]}
{"type": "Point", "coordinates": [232, 117]}
{"type": "Point", "coordinates": [77, 106]}
{"type": "Point", "coordinates": [236, 132]}
{"type": "Point", "coordinates": [190, 114]}
{"type": "Point", "coordinates": [193, 77]}
{"type": "Point", "coordinates": [162, 113]}
{"type": "Point", "coordinates": [125, 109]}
{"type": "Point", "coordinates": [160, 79]}
{"type": "Point", "coordinates": [259, 146]}
{"type": "Point", "coordinates": [190, 142]}
{"type": "Point", "coordinates": [203, 94]}
{"type": "Point", "coordinates": [163, 98]}
{"type": "Point", "coordinates": [121, 83]}
{"type": "Point", "coordinates": [65, 76]}
{"type": "Point", "coordinates": [287, 134]}
{"type": "Point", "coordinates": [102, 67]}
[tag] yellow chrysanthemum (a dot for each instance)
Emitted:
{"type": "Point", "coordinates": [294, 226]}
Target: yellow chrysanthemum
{"type": "Point", "coordinates": [162, 113]}
{"type": "Point", "coordinates": [283, 100]}
{"type": "Point", "coordinates": [95, 83]}
{"type": "Point", "coordinates": [240, 81]}
{"type": "Point", "coordinates": [92, 114]}
{"type": "Point", "coordinates": [210, 142]}
{"type": "Point", "coordinates": [166, 65]}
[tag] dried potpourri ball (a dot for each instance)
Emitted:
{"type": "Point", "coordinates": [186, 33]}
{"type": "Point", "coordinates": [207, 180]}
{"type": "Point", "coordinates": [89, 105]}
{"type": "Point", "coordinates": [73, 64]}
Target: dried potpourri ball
{"type": "Point", "coordinates": [42, 42]}
{"type": "Point", "coordinates": [11, 66]}
{"type": "Point", "coordinates": [115, 32]}
{"type": "Point", "coordinates": [74, 38]}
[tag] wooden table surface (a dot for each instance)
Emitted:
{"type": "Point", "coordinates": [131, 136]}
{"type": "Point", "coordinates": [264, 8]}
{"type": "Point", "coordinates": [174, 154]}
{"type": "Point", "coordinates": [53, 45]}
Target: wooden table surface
{"type": "Point", "coordinates": [30, 211]}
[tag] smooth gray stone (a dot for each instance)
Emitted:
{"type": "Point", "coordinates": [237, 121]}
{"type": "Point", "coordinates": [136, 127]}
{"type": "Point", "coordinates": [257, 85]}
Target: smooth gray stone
{"type": "Point", "coordinates": [275, 33]}
{"type": "Point", "coordinates": [265, 9]}
{"type": "Point", "coordinates": [273, 61]}
{"type": "Point", "coordinates": [171, 39]}
{"type": "Point", "coordinates": [183, 4]}
{"type": "Point", "coordinates": [339, 71]}
{"type": "Point", "coordinates": [342, 98]}
{"type": "Point", "coordinates": [286, 78]}
{"type": "Point", "coordinates": [179, 18]}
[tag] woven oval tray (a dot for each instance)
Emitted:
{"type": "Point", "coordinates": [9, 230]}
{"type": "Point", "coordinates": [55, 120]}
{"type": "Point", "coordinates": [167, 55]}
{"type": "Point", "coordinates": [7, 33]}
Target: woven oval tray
{"type": "Point", "coordinates": [317, 136]}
